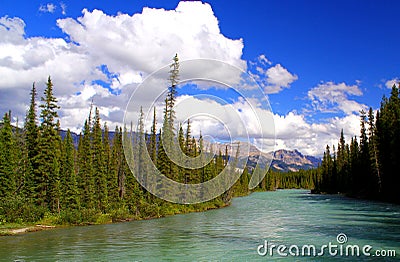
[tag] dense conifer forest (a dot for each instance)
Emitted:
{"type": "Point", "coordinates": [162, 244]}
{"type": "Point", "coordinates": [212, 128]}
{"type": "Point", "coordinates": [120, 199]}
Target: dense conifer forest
{"type": "Point", "coordinates": [45, 178]}
{"type": "Point", "coordinates": [367, 167]}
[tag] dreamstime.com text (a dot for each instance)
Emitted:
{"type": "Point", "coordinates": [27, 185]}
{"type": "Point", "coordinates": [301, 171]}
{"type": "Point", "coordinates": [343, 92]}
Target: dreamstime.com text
{"type": "Point", "coordinates": [338, 248]}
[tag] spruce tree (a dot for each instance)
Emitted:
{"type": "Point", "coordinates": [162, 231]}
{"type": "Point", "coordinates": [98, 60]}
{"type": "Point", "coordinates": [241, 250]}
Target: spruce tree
{"type": "Point", "coordinates": [31, 141]}
{"type": "Point", "coordinates": [374, 183]}
{"type": "Point", "coordinates": [354, 165]}
{"type": "Point", "coordinates": [171, 95]}
{"type": "Point", "coordinates": [7, 158]}
{"type": "Point", "coordinates": [182, 146]}
{"type": "Point", "coordinates": [342, 164]}
{"type": "Point", "coordinates": [111, 174]}
{"type": "Point", "coordinates": [70, 193]}
{"type": "Point", "coordinates": [22, 163]}
{"type": "Point", "coordinates": [141, 147]}
{"type": "Point", "coordinates": [47, 167]}
{"type": "Point", "coordinates": [85, 163]}
{"type": "Point", "coordinates": [119, 162]}
{"type": "Point", "coordinates": [188, 150]}
{"type": "Point", "coordinates": [365, 169]}
{"type": "Point", "coordinates": [153, 138]}
{"type": "Point", "coordinates": [99, 174]}
{"type": "Point", "coordinates": [168, 135]}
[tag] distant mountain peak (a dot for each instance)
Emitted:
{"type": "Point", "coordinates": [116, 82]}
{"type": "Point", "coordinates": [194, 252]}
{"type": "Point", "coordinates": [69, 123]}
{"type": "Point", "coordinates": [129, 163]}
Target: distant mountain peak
{"type": "Point", "coordinates": [282, 160]}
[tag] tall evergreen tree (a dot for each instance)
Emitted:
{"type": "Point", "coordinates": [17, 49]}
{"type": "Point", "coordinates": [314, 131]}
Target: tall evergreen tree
{"type": "Point", "coordinates": [168, 135]}
{"type": "Point", "coordinates": [111, 174]}
{"type": "Point", "coordinates": [99, 174]}
{"type": "Point", "coordinates": [342, 164]}
{"type": "Point", "coordinates": [70, 193]}
{"type": "Point", "coordinates": [171, 95]}
{"type": "Point", "coordinates": [141, 165]}
{"type": "Point", "coordinates": [119, 157]}
{"type": "Point", "coordinates": [47, 166]}
{"type": "Point", "coordinates": [354, 165]}
{"type": "Point", "coordinates": [85, 163]}
{"type": "Point", "coordinates": [7, 158]}
{"type": "Point", "coordinates": [153, 138]}
{"type": "Point", "coordinates": [365, 169]}
{"type": "Point", "coordinates": [22, 163]}
{"type": "Point", "coordinates": [31, 140]}
{"type": "Point", "coordinates": [374, 183]}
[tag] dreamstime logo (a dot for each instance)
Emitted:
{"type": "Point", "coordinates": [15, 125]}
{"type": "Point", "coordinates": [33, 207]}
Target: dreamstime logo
{"type": "Point", "coordinates": [227, 102]}
{"type": "Point", "coordinates": [341, 248]}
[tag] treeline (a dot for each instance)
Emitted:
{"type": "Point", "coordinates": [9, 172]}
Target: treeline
{"type": "Point", "coordinates": [44, 177]}
{"type": "Point", "coordinates": [368, 167]}
{"type": "Point", "coordinates": [273, 180]}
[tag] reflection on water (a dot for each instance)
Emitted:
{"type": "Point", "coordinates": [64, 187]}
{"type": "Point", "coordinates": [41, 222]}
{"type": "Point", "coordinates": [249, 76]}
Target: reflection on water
{"type": "Point", "coordinates": [288, 217]}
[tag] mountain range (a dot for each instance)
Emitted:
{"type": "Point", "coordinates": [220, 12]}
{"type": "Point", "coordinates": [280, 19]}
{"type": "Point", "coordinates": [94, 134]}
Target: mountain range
{"type": "Point", "coordinates": [283, 160]}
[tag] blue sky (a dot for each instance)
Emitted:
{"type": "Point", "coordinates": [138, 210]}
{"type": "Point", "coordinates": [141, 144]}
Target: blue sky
{"type": "Point", "coordinates": [318, 61]}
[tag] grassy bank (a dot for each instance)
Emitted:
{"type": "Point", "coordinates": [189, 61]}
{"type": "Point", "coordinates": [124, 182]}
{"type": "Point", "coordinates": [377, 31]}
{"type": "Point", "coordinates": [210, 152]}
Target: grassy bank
{"type": "Point", "coordinates": [93, 217]}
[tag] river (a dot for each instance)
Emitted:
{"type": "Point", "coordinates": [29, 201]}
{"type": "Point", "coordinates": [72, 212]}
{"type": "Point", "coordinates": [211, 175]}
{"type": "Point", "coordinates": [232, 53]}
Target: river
{"type": "Point", "coordinates": [291, 218]}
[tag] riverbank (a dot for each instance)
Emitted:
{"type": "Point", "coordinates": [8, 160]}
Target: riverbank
{"type": "Point", "coordinates": [50, 221]}
{"type": "Point", "coordinates": [6, 230]}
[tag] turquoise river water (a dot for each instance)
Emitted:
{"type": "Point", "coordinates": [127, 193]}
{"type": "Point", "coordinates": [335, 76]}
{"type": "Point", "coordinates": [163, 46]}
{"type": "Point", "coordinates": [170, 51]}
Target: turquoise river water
{"type": "Point", "coordinates": [251, 229]}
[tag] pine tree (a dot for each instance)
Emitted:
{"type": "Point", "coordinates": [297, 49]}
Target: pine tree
{"type": "Point", "coordinates": [162, 158]}
{"type": "Point", "coordinates": [171, 96]}
{"type": "Point", "coordinates": [334, 179]}
{"type": "Point", "coordinates": [22, 163]}
{"type": "Point", "coordinates": [55, 181]}
{"type": "Point", "coordinates": [109, 169]}
{"type": "Point", "coordinates": [31, 140]}
{"type": "Point", "coordinates": [153, 139]}
{"type": "Point", "coordinates": [70, 193]}
{"type": "Point", "coordinates": [168, 135]}
{"type": "Point", "coordinates": [99, 174]}
{"type": "Point", "coordinates": [182, 147]}
{"type": "Point", "coordinates": [188, 150]}
{"type": "Point", "coordinates": [85, 163]}
{"type": "Point", "coordinates": [7, 158]}
{"type": "Point", "coordinates": [342, 164]}
{"type": "Point", "coordinates": [354, 165]}
{"type": "Point", "coordinates": [326, 171]}
{"type": "Point", "coordinates": [119, 165]}
{"type": "Point", "coordinates": [202, 159]}
{"type": "Point", "coordinates": [365, 169]}
{"type": "Point", "coordinates": [188, 140]}
{"type": "Point", "coordinates": [374, 185]}
{"type": "Point", "coordinates": [46, 164]}
{"type": "Point", "coordinates": [142, 165]}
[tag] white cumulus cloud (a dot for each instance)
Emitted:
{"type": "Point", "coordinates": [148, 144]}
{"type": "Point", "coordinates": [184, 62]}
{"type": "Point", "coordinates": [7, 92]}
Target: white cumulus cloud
{"type": "Point", "coordinates": [278, 78]}
{"type": "Point", "coordinates": [104, 57]}
{"type": "Point", "coordinates": [273, 79]}
{"type": "Point", "coordinates": [332, 97]}
{"type": "Point", "coordinates": [294, 132]}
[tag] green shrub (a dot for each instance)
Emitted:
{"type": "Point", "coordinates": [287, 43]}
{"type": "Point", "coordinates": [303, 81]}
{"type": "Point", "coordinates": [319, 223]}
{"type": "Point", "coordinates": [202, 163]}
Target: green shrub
{"type": "Point", "coordinates": [89, 215]}
{"type": "Point", "coordinates": [104, 219]}
{"type": "Point", "coordinates": [119, 214]}
{"type": "Point", "coordinates": [18, 209]}
{"type": "Point", "coordinates": [71, 216]}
